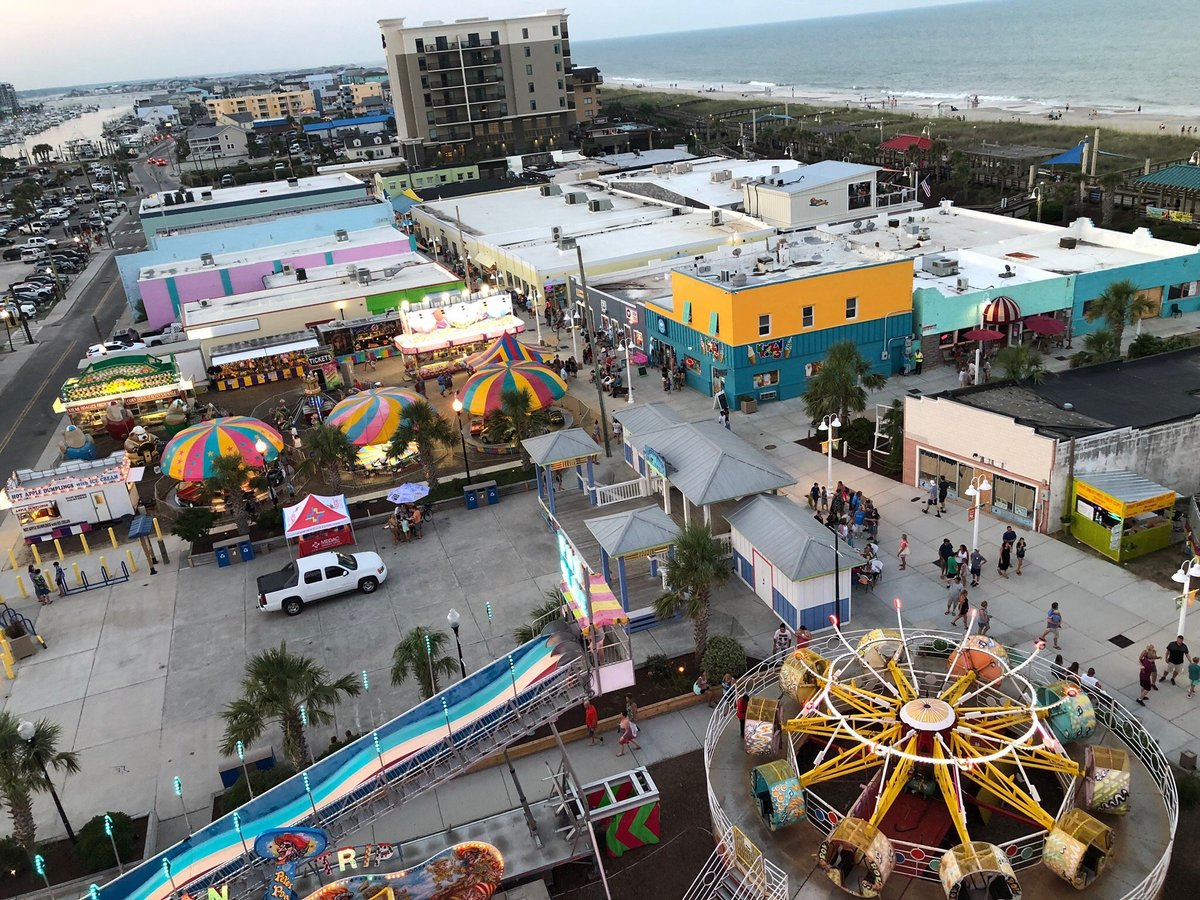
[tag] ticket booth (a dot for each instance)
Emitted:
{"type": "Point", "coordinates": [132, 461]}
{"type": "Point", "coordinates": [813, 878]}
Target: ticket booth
{"type": "Point", "coordinates": [1121, 514]}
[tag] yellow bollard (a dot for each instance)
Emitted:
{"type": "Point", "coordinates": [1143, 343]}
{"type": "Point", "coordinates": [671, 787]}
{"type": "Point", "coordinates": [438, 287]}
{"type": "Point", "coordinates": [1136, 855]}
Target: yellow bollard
{"type": "Point", "coordinates": [103, 567]}
{"type": "Point", "coordinates": [58, 550]}
{"type": "Point", "coordinates": [6, 657]}
{"type": "Point", "coordinates": [78, 577]}
{"type": "Point", "coordinates": [83, 540]}
{"type": "Point", "coordinates": [12, 557]}
{"type": "Point", "coordinates": [157, 530]}
{"type": "Point", "coordinates": [21, 587]}
{"type": "Point", "coordinates": [37, 557]}
{"type": "Point", "coordinates": [112, 536]}
{"type": "Point", "coordinates": [132, 564]}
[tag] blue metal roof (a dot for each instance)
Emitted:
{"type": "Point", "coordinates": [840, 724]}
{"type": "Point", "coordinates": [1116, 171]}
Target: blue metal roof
{"type": "Point", "coordinates": [349, 123]}
{"type": "Point", "coordinates": [270, 123]}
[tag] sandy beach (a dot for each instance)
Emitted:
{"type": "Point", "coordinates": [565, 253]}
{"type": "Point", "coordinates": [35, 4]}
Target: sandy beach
{"type": "Point", "coordinates": [932, 109]}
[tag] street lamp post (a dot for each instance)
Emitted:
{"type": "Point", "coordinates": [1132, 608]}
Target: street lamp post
{"type": "Point", "coordinates": [828, 424]}
{"type": "Point", "coordinates": [455, 621]}
{"type": "Point", "coordinates": [1189, 570]}
{"type": "Point", "coordinates": [458, 408]}
{"type": "Point", "coordinates": [628, 370]}
{"type": "Point", "coordinates": [27, 731]}
{"type": "Point", "coordinates": [978, 485]}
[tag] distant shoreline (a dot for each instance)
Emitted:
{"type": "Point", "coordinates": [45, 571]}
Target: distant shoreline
{"type": "Point", "coordinates": [930, 107]}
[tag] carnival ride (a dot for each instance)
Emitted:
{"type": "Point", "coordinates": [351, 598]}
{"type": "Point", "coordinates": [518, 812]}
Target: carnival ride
{"type": "Point", "coordinates": [972, 754]}
{"type": "Point", "coordinates": [347, 790]}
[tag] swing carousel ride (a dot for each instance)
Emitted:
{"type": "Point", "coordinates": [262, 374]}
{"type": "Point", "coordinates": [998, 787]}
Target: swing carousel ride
{"type": "Point", "coordinates": [939, 757]}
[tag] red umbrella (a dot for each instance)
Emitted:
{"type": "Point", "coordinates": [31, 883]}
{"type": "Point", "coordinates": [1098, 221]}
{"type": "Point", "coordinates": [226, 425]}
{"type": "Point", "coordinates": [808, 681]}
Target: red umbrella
{"type": "Point", "coordinates": [1045, 325]}
{"type": "Point", "coordinates": [983, 334]}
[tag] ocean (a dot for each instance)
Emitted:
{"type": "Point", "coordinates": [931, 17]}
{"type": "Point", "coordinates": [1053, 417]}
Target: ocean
{"type": "Point", "coordinates": [1087, 53]}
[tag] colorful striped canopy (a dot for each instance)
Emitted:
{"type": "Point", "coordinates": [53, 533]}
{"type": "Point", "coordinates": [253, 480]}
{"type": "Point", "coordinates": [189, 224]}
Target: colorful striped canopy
{"type": "Point", "coordinates": [481, 392]}
{"type": "Point", "coordinates": [372, 417]}
{"type": "Point", "coordinates": [606, 608]}
{"type": "Point", "coordinates": [189, 455]}
{"type": "Point", "coordinates": [506, 350]}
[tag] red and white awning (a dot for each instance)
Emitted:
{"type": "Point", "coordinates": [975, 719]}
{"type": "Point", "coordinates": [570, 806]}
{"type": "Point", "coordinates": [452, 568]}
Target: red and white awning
{"type": "Point", "coordinates": [1002, 311]}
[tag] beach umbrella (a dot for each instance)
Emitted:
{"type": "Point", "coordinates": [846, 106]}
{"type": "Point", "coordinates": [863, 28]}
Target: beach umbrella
{"type": "Point", "coordinates": [983, 334]}
{"type": "Point", "coordinates": [189, 455]}
{"type": "Point", "coordinates": [505, 350]}
{"type": "Point", "coordinates": [1045, 325]}
{"type": "Point", "coordinates": [408, 493]}
{"type": "Point", "coordinates": [372, 417]}
{"type": "Point", "coordinates": [481, 392]}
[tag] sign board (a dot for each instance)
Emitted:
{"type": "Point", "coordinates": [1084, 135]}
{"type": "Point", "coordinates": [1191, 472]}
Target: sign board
{"type": "Point", "coordinates": [654, 462]}
{"type": "Point", "coordinates": [971, 514]}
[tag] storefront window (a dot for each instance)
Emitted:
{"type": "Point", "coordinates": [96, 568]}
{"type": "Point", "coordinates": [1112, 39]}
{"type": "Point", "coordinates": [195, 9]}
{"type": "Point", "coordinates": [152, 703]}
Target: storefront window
{"type": "Point", "coordinates": [766, 379]}
{"type": "Point", "coordinates": [859, 195]}
{"type": "Point", "coordinates": [1008, 498]}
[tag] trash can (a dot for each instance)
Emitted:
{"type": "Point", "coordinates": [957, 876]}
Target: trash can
{"type": "Point", "coordinates": [222, 555]}
{"type": "Point", "coordinates": [247, 550]}
{"type": "Point", "coordinates": [472, 498]}
{"type": "Point", "coordinates": [493, 495]}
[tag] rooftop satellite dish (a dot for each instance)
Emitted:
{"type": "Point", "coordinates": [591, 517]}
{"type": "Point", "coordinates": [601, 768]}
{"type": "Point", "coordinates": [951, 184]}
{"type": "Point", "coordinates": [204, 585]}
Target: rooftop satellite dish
{"type": "Point", "coordinates": [871, 225]}
{"type": "Point", "coordinates": [858, 224]}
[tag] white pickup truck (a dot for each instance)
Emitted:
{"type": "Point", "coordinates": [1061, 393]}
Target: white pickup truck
{"type": "Point", "coordinates": [316, 577]}
{"type": "Point", "coordinates": [173, 333]}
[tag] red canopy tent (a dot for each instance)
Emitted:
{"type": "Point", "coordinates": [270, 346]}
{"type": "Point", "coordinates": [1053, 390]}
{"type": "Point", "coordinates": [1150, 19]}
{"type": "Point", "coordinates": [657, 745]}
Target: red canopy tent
{"type": "Point", "coordinates": [319, 523]}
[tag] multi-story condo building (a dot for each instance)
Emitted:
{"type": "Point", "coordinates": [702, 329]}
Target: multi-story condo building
{"type": "Point", "coordinates": [275, 105]}
{"type": "Point", "coordinates": [585, 88]}
{"type": "Point", "coordinates": [481, 88]}
{"type": "Point", "coordinates": [8, 99]}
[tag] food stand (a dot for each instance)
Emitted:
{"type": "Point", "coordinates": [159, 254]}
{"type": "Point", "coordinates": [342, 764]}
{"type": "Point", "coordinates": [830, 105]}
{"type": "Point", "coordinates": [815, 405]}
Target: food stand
{"type": "Point", "coordinates": [353, 339]}
{"type": "Point", "coordinates": [1121, 514]}
{"type": "Point", "coordinates": [260, 361]}
{"type": "Point", "coordinates": [145, 386]}
{"type": "Point", "coordinates": [73, 498]}
{"type": "Point", "coordinates": [439, 335]}
{"type": "Point", "coordinates": [319, 524]}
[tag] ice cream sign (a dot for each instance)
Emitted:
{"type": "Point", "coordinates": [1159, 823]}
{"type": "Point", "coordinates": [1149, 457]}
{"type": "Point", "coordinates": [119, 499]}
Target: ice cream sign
{"type": "Point", "coordinates": [570, 567]}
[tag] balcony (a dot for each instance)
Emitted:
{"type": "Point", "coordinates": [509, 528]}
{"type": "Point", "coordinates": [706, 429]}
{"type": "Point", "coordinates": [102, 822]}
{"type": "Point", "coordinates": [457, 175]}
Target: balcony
{"type": "Point", "coordinates": [456, 45]}
{"type": "Point", "coordinates": [473, 60]}
{"type": "Point", "coordinates": [443, 82]}
{"type": "Point", "coordinates": [483, 95]}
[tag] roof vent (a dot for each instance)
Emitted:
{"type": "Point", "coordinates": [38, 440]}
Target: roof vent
{"type": "Point", "coordinates": [549, 190]}
{"type": "Point", "coordinates": [341, 235]}
{"type": "Point", "coordinates": [206, 259]}
{"type": "Point", "coordinates": [1068, 243]}
{"type": "Point", "coordinates": [293, 182]}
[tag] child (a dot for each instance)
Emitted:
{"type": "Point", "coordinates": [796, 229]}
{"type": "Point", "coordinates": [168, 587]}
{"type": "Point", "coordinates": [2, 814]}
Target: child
{"type": "Point", "coordinates": [902, 555]}
{"type": "Point", "coordinates": [1193, 675]}
{"type": "Point", "coordinates": [591, 718]}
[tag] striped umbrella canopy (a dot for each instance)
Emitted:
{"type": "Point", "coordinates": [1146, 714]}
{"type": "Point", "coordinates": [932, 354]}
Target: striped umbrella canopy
{"type": "Point", "coordinates": [372, 417]}
{"type": "Point", "coordinates": [190, 454]}
{"type": "Point", "coordinates": [481, 392]}
{"type": "Point", "coordinates": [506, 350]}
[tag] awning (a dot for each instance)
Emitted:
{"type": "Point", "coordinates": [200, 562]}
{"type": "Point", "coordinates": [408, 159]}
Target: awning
{"type": "Point", "coordinates": [261, 352]}
{"type": "Point", "coordinates": [1002, 311]}
{"type": "Point", "coordinates": [315, 513]}
{"type": "Point", "coordinates": [1072, 157]}
{"type": "Point", "coordinates": [606, 608]}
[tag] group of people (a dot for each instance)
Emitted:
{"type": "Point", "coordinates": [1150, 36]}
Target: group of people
{"type": "Point", "coordinates": [627, 727]}
{"type": "Point", "coordinates": [673, 378]}
{"type": "Point", "coordinates": [853, 516]}
{"type": "Point", "coordinates": [41, 589]}
{"type": "Point", "coordinates": [959, 565]}
{"type": "Point", "coordinates": [1177, 656]}
{"type": "Point", "coordinates": [406, 523]}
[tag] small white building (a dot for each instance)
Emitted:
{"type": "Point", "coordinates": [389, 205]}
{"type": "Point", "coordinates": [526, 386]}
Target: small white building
{"type": "Point", "coordinates": [787, 558]}
{"type": "Point", "coordinates": [825, 192]}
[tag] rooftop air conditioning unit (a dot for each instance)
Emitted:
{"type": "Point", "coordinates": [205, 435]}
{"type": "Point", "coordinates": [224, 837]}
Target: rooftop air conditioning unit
{"type": "Point", "coordinates": [575, 197]}
{"type": "Point", "coordinates": [774, 170]}
{"type": "Point", "coordinates": [703, 269]}
{"type": "Point", "coordinates": [390, 271]}
{"type": "Point", "coordinates": [286, 269]}
{"type": "Point", "coordinates": [206, 259]}
{"type": "Point", "coordinates": [893, 223]}
{"type": "Point", "coordinates": [293, 182]}
{"type": "Point", "coordinates": [549, 190]}
{"type": "Point", "coordinates": [364, 276]}
{"type": "Point", "coordinates": [148, 273]}
{"type": "Point", "coordinates": [963, 284]}
{"type": "Point", "coordinates": [677, 210]}
{"type": "Point", "coordinates": [681, 168]}
{"type": "Point", "coordinates": [341, 235]}
{"type": "Point", "coordinates": [566, 243]}
{"type": "Point", "coordinates": [301, 274]}
{"type": "Point", "coordinates": [913, 228]}
{"type": "Point", "coordinates": [661, 169]}
{"type": "Point", "coordinates": [923, 234]}
{"type": "Point", "coordinates": [599, 205]}
{"type": "Point", "coordinates": [206, 195]}
{"type": "Point", "coordinates": [725, 275]}
{"type": "Point", "coordinates": [556, 233]}
{"type": "Point", "coordinates": [716, 217]}
{"type": "Point", "coordinates": [941, 265]}
{"type": "Point", "coordinates": [720, 175]}
{"type": "Point", "coordinates": [738, 280]}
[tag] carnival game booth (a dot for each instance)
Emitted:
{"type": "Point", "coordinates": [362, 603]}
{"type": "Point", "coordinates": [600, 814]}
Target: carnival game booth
{"type": "Point", "coordinates": [318, 524]}
{"type": "Point", "coordinates": [144, 386]}
{"type": "Point", "coordinates": [357, 340]}
{"type": "Point", "coordinates": [1121, 514]}
{"type": "Point", "coordinates": [440, 334]}
{"type": "Point", "coordinates": [261, 360]}
{"type": "Point", "coordinates": [73, 498]}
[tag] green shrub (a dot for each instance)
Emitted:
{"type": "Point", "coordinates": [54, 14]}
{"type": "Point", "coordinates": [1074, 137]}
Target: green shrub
{"type": "Point", "coordinates": [95, 851]}
{"type": "Point", "coordinates": [14, 861]}
{"type": "Point", "coordinates": [194, 523]}
{"type": "Point", "coordinates": [262, 780]}
{"type": "Point", "coordinates": [1188, 786]}
{"type": "Point", "coordinates": [860, 434]}
{"type": "Point", "coordinates": [659, 667]}
{"type": "Point", "coordinates": [270, 518]}
{"type": "Point", "coordinates": [723, 654]}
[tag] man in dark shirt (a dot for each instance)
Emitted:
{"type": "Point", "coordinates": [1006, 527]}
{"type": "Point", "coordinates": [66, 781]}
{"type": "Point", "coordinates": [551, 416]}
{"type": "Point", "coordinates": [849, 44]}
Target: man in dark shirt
{"type": "Point", "coordinates": [944, 553]}
{"type": "Point", "coordinates": [1177, 657]}
{"type": "Point", "coordinates": [943, 490]}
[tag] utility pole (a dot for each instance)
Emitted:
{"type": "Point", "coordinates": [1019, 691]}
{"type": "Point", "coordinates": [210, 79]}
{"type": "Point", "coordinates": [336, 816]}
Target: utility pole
{"type": "Point", "coordinates": [595, 354]}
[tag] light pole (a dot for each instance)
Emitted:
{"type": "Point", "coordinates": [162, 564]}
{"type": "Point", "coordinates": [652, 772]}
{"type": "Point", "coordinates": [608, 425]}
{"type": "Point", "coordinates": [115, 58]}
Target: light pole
{"type": "Point", "coordinates": [978, 485]}
{"type": "Point", "coordinates": [628, 370]}
{"type": "Point", "coordinates": [458, 407]}
{"type": "Point", "coordinates": [178, 784]}
{"type": "Point", "coordinates": [27, 732]}
{"type": "Point", "coordinates": [828, 424]}
{"type": "Point", "coordinates": [455, 621]}
{"type": "Point", "coordinates": [1189, 570]}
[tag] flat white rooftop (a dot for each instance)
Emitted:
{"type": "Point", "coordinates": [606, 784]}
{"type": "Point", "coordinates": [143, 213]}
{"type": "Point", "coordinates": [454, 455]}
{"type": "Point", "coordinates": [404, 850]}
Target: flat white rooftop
{"type": "Point", "coordinates": [244, 193]}
{"type": "Point", "coordinates": [1096, 249]}
{"type": "Point", "coordinates": [698, 185]}
{"type": "Point", "coordinates": [819, 174]}
{"type": "Point", "coordinates": [950, 228]}
{"type": "Point", "coordinates": [791, 258]}
{"type": "Point", "coordinates": [414, 271]}
{"type": "Point", "coordinates": [983, 272]}
{"type": "Point", "coordinates": [364, 238]}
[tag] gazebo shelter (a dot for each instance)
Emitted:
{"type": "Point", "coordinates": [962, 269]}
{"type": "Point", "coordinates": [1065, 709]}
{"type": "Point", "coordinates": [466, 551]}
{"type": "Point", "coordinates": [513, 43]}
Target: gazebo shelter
{"type": "Point", "coordinates": [570, 448]}
{"type": "Point", "coordinates": [647, 534]}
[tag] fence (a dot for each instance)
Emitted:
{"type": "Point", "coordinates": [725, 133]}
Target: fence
{"type": "Point", "coordinates": [619, 493]}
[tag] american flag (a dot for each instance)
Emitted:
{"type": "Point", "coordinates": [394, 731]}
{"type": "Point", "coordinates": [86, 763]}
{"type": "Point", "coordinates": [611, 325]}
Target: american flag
{"type": "Point", "coordinates": [925, 187]}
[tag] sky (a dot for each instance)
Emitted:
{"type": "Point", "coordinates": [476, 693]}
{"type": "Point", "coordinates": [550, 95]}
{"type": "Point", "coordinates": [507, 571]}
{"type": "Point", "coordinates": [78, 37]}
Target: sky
{"type": "Point", "coordinates": [70, 42]}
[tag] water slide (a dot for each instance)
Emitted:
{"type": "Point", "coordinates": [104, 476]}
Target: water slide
{"type": "Point", "coordinates": [424, 746]}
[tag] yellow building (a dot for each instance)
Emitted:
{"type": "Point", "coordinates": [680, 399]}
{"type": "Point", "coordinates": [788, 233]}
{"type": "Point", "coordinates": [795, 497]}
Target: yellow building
{"type": "Point", "coordinates": [759, 326]}
{"type": "Point", "coordinates": [275, 105]}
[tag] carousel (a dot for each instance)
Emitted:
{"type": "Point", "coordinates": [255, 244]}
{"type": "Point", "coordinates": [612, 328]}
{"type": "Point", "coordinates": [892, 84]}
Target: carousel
{"type": "Point", "coordinates": [940, 758]}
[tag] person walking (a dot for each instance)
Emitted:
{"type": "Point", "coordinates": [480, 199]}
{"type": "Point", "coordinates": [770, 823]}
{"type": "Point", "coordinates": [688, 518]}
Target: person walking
{"type": "Point", "coordinates": [1193, 675]}
{"type": "Point", "coordinates": [983, 619]}
{"type": "Point", "coordinates": [591, 719]}
{"type": "Point", "coordinates": [1053, 624]}
{"type": "Point", "coordinates": [618, 432]}
{"type": "Point", "coordinates": [954, 592]}
{"type": "Point", "coordinates": [60, 579]}
{"type": "Point", "coordinates": [40, 589]}
{"type": "Point", "coordinates": [1005, 559]}
{"type": "Point", "coordinates": [596, 431]}
{"type": "Point", "coordinates": [943, 488]}
{"type": "Point", "coordinates": [951, 566]}
{"type": "Point", "coordinates": [1146, 661]}
{"type": "Point", "coordinates": [977, 564]}
{"type": "Point", "coordinates": [781, 640]}
{"type": "Point", "coordinates": [742, 705]}
{"type": "Point", "coordinates": [1177, 657]}
{"type": "Point", "coordinates": [824, 501]}
{"type": "Point", "coordinates": [964, 611]}
{"type": "Point", "coordinates": [631, 710]}
{"type": "Point", "coordinates": [932, 499]}
{"type": "Point", "coordinates": [628, 732]}
{"type": "Point", "coordinates": [902, 553]}
{"type": "Point", "coordinates": [1020, 552]}
{"type": "Point", "coordinates": [814, 495]}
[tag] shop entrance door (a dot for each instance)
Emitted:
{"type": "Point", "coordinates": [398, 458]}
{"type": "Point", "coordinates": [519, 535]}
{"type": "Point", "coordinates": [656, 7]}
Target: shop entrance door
{"type": "Point", "coordinates": [718, 380]}
{"type": "Point", "coordinates": [762, 576]}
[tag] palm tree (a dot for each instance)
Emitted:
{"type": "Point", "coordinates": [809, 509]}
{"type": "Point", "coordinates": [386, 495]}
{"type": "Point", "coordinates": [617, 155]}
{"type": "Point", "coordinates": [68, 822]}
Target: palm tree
{"type": "Point", "coordinates": [518, 415]}
{"type": "Point", "coordinates": [275, 686]}
{"type": "Point", "coordinates": [420, 655]}
{"type": "Point", "coordinates": [1021, 362]}
{"type": "Point", "coordinates": [326, 451]}
{"type": "Point", "coordinates": [695, 568]}
{"type": "Point", "coordinates": [550, 608]}
{"type": "Point", "coordinates": [21, 774]}
{"type": "Point", "coordinates": [41, 152]}
{"type": "Point", "coordinates": [424, 427]}
{"type": "Point", "coordinates": [840, 387]}
{"type": "Point", "coordinates": [892, 428]}
{"type": "Point", "coordinates": [1099, 346]}
{"type": "Point", "coordinates": [1119, 305]}
{"type": "Point", "coordinates": [230, 478]}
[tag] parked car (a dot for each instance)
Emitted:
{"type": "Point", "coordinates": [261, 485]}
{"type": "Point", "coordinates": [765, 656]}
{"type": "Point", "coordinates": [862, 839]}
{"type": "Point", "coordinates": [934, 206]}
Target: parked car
{"type": "Point", "coordinates": [34, 292]}
{"type": "Point", "coordinates": [97, 350]}
{"type": "Point", "coordinates": [34, 228]}
{"type": "Point", "coordinates": [24, 308]}
{"type": "Point", "coordinates": [316, 577]}
{"type": "Point", "coordinates": [44, 243]}
{"type": "Point", "coordinates": [12, 253]}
